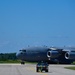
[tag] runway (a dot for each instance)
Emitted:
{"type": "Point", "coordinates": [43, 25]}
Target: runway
{"type": "Point", "coordinates": [30, 69]}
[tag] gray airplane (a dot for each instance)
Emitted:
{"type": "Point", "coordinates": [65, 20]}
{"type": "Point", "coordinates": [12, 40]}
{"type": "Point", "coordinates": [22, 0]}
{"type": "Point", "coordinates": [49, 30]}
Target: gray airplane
{"type": "Point", "coordinates": [65, 55]}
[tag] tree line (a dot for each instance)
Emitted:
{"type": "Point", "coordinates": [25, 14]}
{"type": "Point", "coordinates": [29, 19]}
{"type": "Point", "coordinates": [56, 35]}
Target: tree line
{"type": "Point", "coordinates": [7, 56]}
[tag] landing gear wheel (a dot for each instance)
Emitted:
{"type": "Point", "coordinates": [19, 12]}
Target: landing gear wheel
{"type": "Point", "coordinates": [37, 70]}
{"type": "Point", "coordinates": [46, 71]}
{"type": "Point", "coordinates": [22, 63]}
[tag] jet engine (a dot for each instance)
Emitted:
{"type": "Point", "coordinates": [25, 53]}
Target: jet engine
{"type": "Point", "coordinates": [52, 54]}
{"type": "Point", "coordinates": [70, 55]}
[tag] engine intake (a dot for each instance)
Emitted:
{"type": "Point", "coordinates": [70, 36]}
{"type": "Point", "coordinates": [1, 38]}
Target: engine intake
{"type": "Point", "coordinates": [52, 54]}
{"type": "Point", "coordinates": [70, 55]}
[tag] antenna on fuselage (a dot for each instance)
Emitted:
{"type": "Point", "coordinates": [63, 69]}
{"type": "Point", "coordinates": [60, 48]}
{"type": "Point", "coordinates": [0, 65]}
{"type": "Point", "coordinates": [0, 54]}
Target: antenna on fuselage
{"type": "Point", "coordinates": [28, 46]}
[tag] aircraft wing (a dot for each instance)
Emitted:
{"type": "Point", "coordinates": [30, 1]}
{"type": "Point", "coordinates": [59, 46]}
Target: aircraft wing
{"type": "Point", "coordinates": [68, 52]}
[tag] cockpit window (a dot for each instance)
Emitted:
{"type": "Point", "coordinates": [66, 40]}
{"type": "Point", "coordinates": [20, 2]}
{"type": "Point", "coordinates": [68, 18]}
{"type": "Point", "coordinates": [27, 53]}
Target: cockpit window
{"type": "Point", "coordinates": [23, 51]}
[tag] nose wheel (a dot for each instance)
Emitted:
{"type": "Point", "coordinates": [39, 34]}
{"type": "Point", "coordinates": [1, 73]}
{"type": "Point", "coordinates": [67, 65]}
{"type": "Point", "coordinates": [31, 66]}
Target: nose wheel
{"type": "Point", "coordinates": [22, 62]}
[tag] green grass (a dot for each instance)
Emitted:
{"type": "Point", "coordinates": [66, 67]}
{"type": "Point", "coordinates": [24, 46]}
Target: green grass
{"type": "Point", "coordinates": [10, 61]}
{"type": "Point", "coordinates": [72, 68]}
{"type": "Point", "coordinates": [15, 61]}
{"type": "Point", "coordinates": [73, 63]}
{"type": "Point", "coordinates": [19, 61]}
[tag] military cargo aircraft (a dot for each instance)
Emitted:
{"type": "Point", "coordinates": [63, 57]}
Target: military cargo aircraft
{"type": "Point", "coordinates": [65, 55]}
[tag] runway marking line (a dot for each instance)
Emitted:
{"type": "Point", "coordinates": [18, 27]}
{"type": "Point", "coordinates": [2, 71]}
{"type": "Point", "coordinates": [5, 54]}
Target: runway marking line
{"type": "Point", "coordinates": [30, 68]}
{"type": "Point", "coordinates": [42, 73]}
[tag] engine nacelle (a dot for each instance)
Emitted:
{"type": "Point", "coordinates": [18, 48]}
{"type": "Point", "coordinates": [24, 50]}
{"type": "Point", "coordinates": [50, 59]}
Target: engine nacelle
{"type": "Point", "coordinates": [70, 55]}
{"type": "Point", "coordinates": [52, 54]}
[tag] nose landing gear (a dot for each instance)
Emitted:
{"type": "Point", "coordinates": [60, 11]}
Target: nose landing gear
{"type": "Point", "coordinates": [22, 62]}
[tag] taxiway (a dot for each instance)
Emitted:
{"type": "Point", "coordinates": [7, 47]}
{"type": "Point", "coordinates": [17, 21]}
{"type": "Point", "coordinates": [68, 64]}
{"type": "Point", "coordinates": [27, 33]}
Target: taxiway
{"type": "Point", "coordinates": [30, 69]}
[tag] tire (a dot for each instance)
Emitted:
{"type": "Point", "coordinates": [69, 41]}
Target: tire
{"type": "Point", "coordinates": [37, 69]}
{"type": "Point", "coordinates": [22, 63]}
{"type": "Point", "coordinates": [46, 70]}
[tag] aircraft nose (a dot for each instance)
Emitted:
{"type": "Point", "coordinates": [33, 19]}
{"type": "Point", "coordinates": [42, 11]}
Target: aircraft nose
{"type": "Point", "coordinates": [18, 55]}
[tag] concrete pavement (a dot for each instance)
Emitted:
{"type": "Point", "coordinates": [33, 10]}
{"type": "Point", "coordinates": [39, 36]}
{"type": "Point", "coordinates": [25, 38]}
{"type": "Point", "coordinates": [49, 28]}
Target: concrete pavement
{"type": "Point", "coordinates": [30, 69]}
